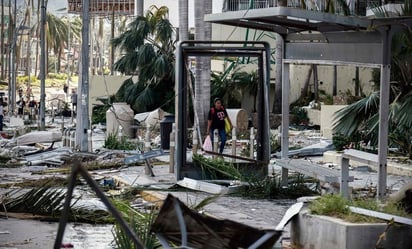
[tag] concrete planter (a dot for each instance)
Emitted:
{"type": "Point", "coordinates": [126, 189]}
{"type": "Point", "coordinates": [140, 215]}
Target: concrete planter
{"type": "Point", "coordinates": [324, 232]}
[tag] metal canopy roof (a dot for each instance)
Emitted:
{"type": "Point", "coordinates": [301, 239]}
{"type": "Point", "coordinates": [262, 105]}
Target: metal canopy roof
{"type": "Point", "coordinates": [286, 20]}
{"type": "Point", "coordinates": [338, 40]}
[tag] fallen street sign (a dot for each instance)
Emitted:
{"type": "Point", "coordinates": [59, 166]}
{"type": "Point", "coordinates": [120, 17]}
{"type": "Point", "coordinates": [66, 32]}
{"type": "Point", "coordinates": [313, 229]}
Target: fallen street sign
{"type": "Point", "coordinates": [143, 156]}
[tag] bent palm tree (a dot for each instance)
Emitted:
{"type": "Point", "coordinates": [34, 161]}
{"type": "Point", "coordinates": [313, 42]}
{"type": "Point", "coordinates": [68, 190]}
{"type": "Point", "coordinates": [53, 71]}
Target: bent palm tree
{"type": "Point", "coordinates": [148, 45]}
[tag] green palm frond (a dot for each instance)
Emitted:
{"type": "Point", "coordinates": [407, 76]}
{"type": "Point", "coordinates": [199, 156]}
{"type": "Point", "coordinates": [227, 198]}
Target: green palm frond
{"type": "Point", "coordinates": [140, 222]}
{"type": "Point", "coordinates": [127, 64]}
{"type": "Point", "coordinates": [148, 47]}
{"type": "Point", "coordinates": [349, 119]}
{"type": "Point", "coordinates": [164, 31]}
{"type": "Point", "coordinates": [405, 111]}
{"type": "Point", "coordinates": [124, 88]}
{"type": "Point", "coordinates": [161, 66]}
{"type": "Point", "coordinates": [146, 55]}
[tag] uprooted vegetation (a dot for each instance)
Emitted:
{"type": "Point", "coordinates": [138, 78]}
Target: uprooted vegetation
{"type": "Point", "coordinates": [256, 186]}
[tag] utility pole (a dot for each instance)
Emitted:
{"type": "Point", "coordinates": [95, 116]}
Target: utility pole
{"type": "Point", "coordinates": [9, 54]}
{"type": "Point", "coordinates": [12, 79]}
{"type": "Point", "coordinates": [2, 41]}
{"type": "Point", "coordinates": [42, 66]}
{"type": "Point", "coordinates": [83, 105]}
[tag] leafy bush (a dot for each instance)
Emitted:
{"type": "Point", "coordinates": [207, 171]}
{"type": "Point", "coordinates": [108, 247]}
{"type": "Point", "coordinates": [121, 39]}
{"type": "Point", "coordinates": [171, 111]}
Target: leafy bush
{"type": "Point", "coordinates": [99, 114]}
{"type": "Point", "coordinates": [300, 116]}
{"type": "Point", "coordinates": [340, 141]}
{"type": "Point", "coordinates": [114, 143]}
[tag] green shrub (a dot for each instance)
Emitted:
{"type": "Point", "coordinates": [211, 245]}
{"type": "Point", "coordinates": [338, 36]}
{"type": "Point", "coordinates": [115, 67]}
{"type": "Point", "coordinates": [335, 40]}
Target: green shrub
{"type": "Point", "coordinates": [340, 141]}
{"type": "Point", "coordinates": [99, 114]}
{"type": "Point", "coordinates": [300, 116]}
{"type": "Point", "coordinates": [332, 205]}
{"type": "Point", "coordinates": [114, 143]}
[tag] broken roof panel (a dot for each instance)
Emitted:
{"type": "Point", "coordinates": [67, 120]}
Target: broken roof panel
{"type": "Point", "coordinates": [200, 231]}
{"type": "Point", "coordinates": [285, 20]}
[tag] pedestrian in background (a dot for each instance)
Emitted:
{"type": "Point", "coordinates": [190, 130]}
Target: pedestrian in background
{"type": "Point", "coordinates": [74, 100]}
{"type": "Point", "coordinates": [216, 120]}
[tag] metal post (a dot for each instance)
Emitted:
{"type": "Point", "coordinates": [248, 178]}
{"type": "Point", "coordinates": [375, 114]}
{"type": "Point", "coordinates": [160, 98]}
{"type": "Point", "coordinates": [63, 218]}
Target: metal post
{"type": "Point", "coordinates": [181, 90]}
{"type": "Point", "coordinates": [234, 143]}
{"type": "Point", "coordinates": [252, 142]}
{"type": "Point", "coordinates": [68, 61]}
{"type": "Point", "coordinates": [172, 149]}
{"type": "Point", "coordinates": [83, 107]}
{"type": "Point", "coordinates": [73, 139]}
{"type": "Point", "coordinates": [90, 145]}
{"type": "Point", "coordinates": [13, 61]}
{"type": "Point", "coordinates": [344, 177]}
{"type": "Point", "coordinates": [43, 67]}
{"type": "Point", "coordinates": [195, 139]}
{"type": "Point", "coordinates": [386, 35]}
{"type": "Point", "coordinates": [285, 121]}
{"type": "Point", "coordinates": [215, 142]}
{"type": "Point", "coordinates": [120, 133]}
{"type": "Point", "coordinates": [147, 138]}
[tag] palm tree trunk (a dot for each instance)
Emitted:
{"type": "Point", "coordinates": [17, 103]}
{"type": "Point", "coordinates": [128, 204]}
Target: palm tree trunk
{"type": "Point", "coordinates": [28, 56]}
{"type": "Point", "coordinates": [277, 104]}
{"type": "Point", "coordinates": [357, 83]}
{"type": "Point", "coordinates": [37, 38]}
{"type": "Point", "coordinates": [111, 47]}
{"type": "Point", "coordinates": [2, 40]}
{"type": "Point", "coordinates": [304, 91]}
{"type": "Point", "coordinates": [202, 83]}
{"type": "Point", "coordinates": [183, 20]}
{"type": "Point", "coordinates": [315, 82]}
{"type": "Point", "coordinates": [335, 81]}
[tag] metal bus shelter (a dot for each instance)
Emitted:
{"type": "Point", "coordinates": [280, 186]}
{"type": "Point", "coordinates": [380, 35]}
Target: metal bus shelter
{"type": "Point", "coordinates": [311, 37]}
{"type": "Point", "coordinates": [261, 51]}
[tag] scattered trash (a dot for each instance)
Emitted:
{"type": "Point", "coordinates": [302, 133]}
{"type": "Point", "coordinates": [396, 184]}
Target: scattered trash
{"type": "Point", "coordinates": [67, 245]}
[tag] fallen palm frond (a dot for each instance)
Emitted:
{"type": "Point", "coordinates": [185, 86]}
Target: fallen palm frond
{"type": "Point", "coordinates": [140, 222]}
{"type": "Point", "coordinates": [217, 168]}
{"type": "Point", "coordinates": [90, 165]}
{"type": "Point", "coordinates": [47, 181]}
{"type": "Point", "coordinates": [48, 201]}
